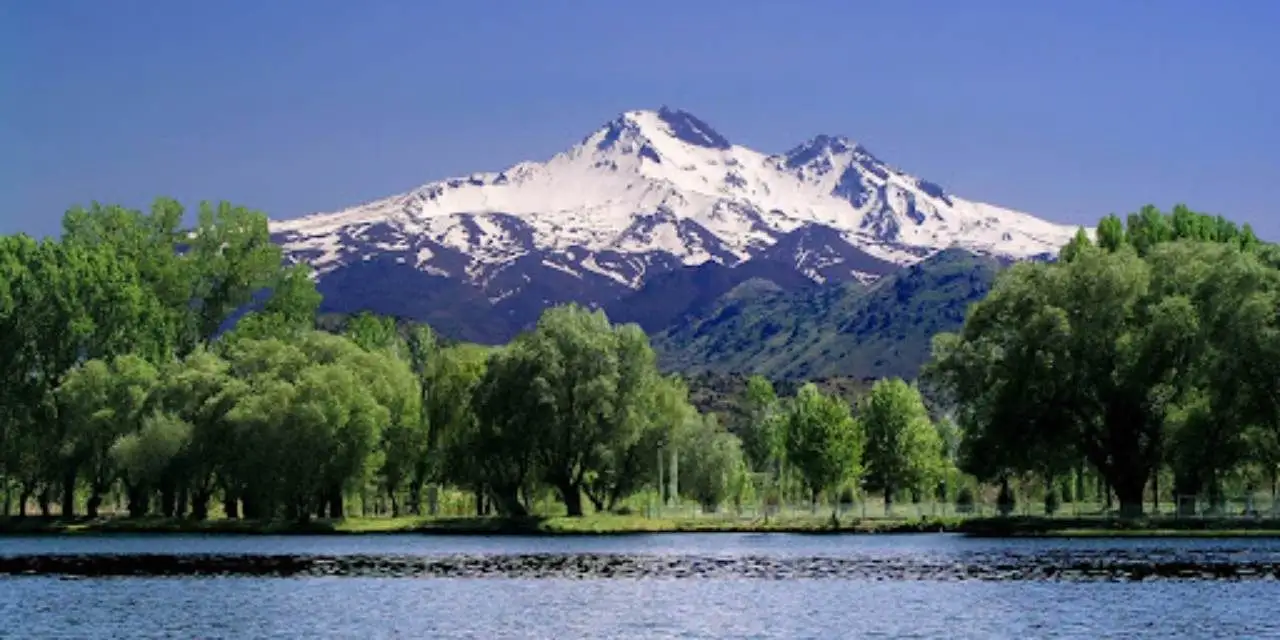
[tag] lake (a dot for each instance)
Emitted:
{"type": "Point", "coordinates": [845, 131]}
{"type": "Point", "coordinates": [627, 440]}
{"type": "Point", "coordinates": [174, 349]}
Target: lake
{"type": "Point", "coordinates": [663, 607]}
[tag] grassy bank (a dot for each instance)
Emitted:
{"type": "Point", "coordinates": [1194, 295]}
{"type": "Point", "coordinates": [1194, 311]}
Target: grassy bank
{"type": "Point", "coordinates": [601, 524]}
{"type": "Point", "coordinates": [589, 525]}
{"type": "Point", "coordinates": [1098, 527]}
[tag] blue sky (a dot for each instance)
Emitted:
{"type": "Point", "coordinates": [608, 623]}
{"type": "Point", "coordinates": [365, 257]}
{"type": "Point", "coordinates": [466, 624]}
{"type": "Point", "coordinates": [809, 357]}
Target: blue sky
{"type": "Point", "coordinates": [1066, 109]}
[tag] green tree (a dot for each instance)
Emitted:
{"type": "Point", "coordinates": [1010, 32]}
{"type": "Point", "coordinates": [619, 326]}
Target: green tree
{"type": "Point", "coordinates": [101, 402]}
{"type": "Point", "coordinates": [823, 442]}
{"type": "Point", "coordinates": [758, 409]}
{"type": "Point", "coordinates": [200, 391]}
{"type": "Point", "coordinates": [660, 409]}
{"type": "Point", "coordinates": [450, 376]}
{"type": "Point", "coordinates": [511, 416]}
{"type": "Point", "coordinates": [405, 436]}
{"type": "Point", "coordinates": [573, 387]}
{"type": "Point", "coordinates": [290, 311]}
{"type": "Point", "coordinates": [1093, 357]}
{"type": "Point", "coordinates": [713, 470]}
{"type": "Point", "coordinates": [903, 449]}
{"type": "Point", "coordinates": [145, 456]}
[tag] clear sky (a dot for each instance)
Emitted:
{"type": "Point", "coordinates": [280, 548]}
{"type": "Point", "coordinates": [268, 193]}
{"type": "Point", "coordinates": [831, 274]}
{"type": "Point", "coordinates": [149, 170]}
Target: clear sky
{"type": "Point", "coordinates": [1068, 109]}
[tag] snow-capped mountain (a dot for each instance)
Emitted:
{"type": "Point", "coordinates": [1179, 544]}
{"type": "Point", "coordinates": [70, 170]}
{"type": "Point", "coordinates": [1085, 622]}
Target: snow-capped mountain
{"type": "Point", "coordinates": [647, 193]}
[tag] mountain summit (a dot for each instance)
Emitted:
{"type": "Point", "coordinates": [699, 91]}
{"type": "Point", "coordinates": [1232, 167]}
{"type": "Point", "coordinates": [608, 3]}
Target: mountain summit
{"type": "Point", "coordinates": [647, 193]}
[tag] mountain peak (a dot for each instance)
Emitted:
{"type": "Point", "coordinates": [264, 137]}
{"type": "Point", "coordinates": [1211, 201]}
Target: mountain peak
{"type": "Point", "coordinates": [688, 128]}
{"type": "Point", "coordinates": [641, 129]}
{"type": "Point", "coordinates": [826, 145]}
{"type": "Point", "coordinates": [650, 192]}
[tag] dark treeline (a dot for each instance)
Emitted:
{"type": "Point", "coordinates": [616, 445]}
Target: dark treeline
{"type": "Point", "coordinates": [132, 373]}
{"type": "Point", "coordinates": [1154, 350]}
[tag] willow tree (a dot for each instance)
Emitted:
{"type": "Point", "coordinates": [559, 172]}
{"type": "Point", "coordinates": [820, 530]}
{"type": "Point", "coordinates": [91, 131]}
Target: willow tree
{"type": "Point", "coordinates": [579, 391]}
{"type": "Point", "coordinates": [101, 402]}
{"type": "Point", "coordinates": [1098, 355]}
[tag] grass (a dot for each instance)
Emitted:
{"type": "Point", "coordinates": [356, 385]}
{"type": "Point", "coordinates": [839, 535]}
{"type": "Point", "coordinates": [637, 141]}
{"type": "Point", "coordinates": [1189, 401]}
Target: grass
{"type": "Point", "coordinates": [611, 524]}
{"type": "Point", "coordinates": [1151, 527]}
{"type": "Point", "coordinates": [595, 524]}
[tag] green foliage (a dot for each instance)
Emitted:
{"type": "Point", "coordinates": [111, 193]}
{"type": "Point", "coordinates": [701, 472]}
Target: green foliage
{"type": "Point", "coordinates": [758, 420]}
{"type": "Point", "coordinates": [903, 449]}
{"type": "Point", "coordinates": [823, 442]}
{"type": "Point", "coordinates": [100, 403]}
{"type": "Point", "coordinates": [580, 394]}
{"type": "Point", "coordinates": [1155, 347]}
{"type": "Point", "coordinates": [145, 456]}
{"type": "Point", "coordinates": [833, 330]}
{"type": "Point", "coordinates": [119, 283]}
{"type": "Point", "coordinates": [713, 471]}
{"type": "Point", "coordinates": [1148, 349]}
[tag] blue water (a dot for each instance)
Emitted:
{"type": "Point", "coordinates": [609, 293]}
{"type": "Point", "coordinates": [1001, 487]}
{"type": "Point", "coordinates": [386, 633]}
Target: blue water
{"type": "Point", "coordinates": [46, 607]}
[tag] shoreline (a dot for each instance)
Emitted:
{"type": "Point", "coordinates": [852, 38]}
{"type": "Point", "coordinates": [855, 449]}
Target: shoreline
{"type": "Point", "coordinates": [598, 525]}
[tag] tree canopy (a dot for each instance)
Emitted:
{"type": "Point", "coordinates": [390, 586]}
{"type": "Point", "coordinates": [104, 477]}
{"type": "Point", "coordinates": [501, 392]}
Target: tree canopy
{"type": "Point", "coordinates": [1144, 349]}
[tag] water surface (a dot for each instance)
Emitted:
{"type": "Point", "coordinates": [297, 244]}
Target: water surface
{"type": "Point", "coordinates": [184, 607]}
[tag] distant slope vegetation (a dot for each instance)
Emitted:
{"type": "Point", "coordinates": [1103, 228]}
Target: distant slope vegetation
{"type": "Point", "coordinates": [671, 298]}
{"type": "Point", "coordinates": [837, 330]}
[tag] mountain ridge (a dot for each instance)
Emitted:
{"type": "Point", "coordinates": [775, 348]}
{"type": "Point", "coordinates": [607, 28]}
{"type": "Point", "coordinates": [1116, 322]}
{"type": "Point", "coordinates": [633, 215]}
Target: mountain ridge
{"type": "Point", "coordinates": [832, 330]}
{"type": "Point", "coordinates": [646, 195]}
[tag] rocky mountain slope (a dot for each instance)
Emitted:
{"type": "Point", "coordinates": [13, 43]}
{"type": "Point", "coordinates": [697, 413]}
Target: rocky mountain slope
{"type": "Point", "coordinates": [652, 216]}
{"type": "Point", "coordinates": [837, 329]}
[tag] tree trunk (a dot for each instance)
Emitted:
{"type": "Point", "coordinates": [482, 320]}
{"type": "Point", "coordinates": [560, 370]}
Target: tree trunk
{"type": "Point", "coordinates": [1005, 501]}
{"type": "Point", "coordinates": [673, 476]}
{"type": "Point", "coordinates": [1215, 493]}
{"type": "Point", "coordinates": [1129, 490]}
{"type": "Point", "coordinates": [200, 505]}
{"type": "Point", "coordinates": [1155, 491]}
{"type": "Point", "coordinates": [508, 503]}
{"type": "Point", "coordinates": [1079, 494]}
{"type": "Point", "coordinates": [24, 496]}
{"type": "Point", "coordinates": [253, 506]}
{"type": "Point", "coordinates": [139, 502]}
{"type": "Point", "coordinates": [572, 497]}
{"type": "Point", "coordinates": [168, 500]}
{"type": "Point", "coordinates": [395, 504]}
{"type": "Point", "coordinates": [527, 497]}
{"type": "Point", "coordinates": [69, 493]}
{"type": "Point", "coordinates": [91, 507]}
{"type": "Point", "coordinates": [596, 502]}
{"type": "Point", "coordinates": [46, 502]}
{"type": "Point", "coordinates": [337, 509]}
{"type": "Point", "coordinates": [1275, 485]}
{"type": "Point", "coordinates": [230, 505]}
{"type": "Point", "coordinates": [480, 502]}
{"type": "Point", "coordinates": [888, 500]}
{"type": "Point", "coordinates": [1185, 485]}
{"type": "Point", "coordinates": [184, 499]}
{"type": "Point", "coordinates": [302, 511]}
{"type": "Point", "coordinates": [415, 499]}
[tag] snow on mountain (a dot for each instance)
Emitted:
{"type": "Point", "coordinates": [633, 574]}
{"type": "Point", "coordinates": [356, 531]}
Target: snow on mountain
{"type": "Point", "coordinates": [661, 182]}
